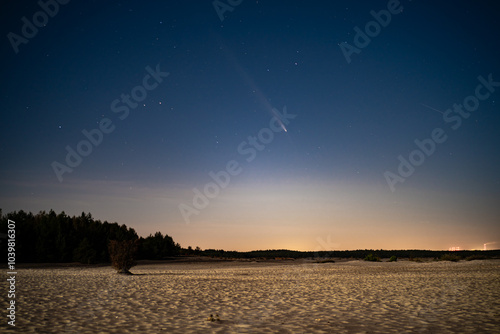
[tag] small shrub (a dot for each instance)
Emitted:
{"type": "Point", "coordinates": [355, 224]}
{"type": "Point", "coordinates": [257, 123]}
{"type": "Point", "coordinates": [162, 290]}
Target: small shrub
{"type": "Point", "coordinates": [122, 255]}
{"type": "Point", "coordinates": [393, 258]}
{"type": "Point", "coordinates": [371, 257]}
{"type": "Point", "coordinates": [212, 319]}
{"type": "Point", "coordinates": [450, 257]}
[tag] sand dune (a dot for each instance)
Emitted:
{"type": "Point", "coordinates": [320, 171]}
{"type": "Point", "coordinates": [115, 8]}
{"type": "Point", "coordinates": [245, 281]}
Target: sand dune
{"type": "Point", "coordinates": [347, 297]}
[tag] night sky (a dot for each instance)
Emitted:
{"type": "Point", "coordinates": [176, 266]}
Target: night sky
{"type": "Point", "coordinates": [287, 124]}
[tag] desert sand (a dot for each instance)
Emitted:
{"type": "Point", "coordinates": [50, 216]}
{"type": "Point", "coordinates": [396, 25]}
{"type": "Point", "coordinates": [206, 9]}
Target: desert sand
{"type": "Point", "coordinates": [253, 297]}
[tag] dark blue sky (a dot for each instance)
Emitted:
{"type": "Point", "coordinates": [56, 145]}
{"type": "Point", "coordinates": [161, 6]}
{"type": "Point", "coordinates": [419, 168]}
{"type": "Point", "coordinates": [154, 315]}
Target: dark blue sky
{"type": "Point", "coordinates": [326, 176]}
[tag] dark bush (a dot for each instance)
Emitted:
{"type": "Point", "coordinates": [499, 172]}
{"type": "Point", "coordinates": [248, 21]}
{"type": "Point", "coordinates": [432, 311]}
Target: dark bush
{"type": "Point", "coordinates": [122, 254]}
{"type": "Point", "coordinates": [373, 258]}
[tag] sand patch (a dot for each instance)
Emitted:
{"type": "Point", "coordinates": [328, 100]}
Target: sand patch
{"type": "Point", "coordinates": [342, 297]}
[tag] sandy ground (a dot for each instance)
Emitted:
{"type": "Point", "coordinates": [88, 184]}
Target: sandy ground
{"type": "Point", "coordinates": [347, 297]}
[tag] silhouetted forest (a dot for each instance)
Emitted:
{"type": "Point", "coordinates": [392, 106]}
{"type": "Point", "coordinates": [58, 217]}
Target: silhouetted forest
{"type": "Point", "coordinates": [51, 237]}
{"type": "Point", "coordinates": [346, 254]}
{"type": "Point", "coordinates": [48, 237]}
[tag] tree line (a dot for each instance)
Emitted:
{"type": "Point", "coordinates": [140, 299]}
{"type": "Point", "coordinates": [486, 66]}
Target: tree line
{"type": "Point", "coordinates": [47, 237]}
{"type": "Point", "coordinates": [51, 237]}
{"type": "Point", "coordinates": [345, 254]}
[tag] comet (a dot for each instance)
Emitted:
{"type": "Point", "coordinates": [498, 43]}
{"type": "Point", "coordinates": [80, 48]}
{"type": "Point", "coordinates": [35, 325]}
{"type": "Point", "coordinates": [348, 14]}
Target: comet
{"type": "Point", "coordinates": [425, 105]}
{"type": "Point", "coordinates": [249, 81]}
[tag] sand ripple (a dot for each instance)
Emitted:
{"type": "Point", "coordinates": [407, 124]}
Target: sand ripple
{"type": "Point", "coordinates": [349, 297]}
